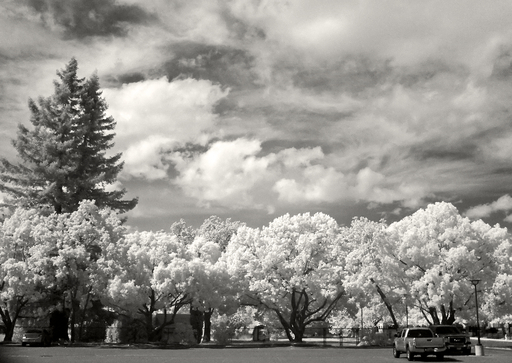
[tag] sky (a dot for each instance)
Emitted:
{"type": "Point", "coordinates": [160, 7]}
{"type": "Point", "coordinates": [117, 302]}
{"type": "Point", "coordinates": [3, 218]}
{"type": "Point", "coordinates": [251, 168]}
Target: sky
{"type": "Point", "coordinates": [251, 109]}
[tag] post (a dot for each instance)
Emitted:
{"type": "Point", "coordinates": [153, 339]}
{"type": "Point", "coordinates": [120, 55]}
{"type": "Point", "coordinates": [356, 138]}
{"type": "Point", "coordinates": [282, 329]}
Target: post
{"type": "Point", "coordinates": [479, 349]}
{"type": "Point", "coordinates": [406, 312]}
{"type": "Point", "coordinates": [362, 333]}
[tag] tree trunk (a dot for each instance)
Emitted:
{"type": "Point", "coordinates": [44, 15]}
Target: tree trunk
{"type": "Point", "coordinates": [9, 331]}
{"type": "Point", "coordinates": [433, 314]}
{"type": "Point", "coordinates": [207, 325]}
{"type": "Point", "coordinates": [10, 322]}
{"type": "Point", "coordinates": [448, 318]}
{"type": "Point", "coordinates": [82, 319]}
{"type": "Point", "coordinates": [386, 302]}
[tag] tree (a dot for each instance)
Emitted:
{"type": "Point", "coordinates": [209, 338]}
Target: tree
{"type": "Point", "coordinates": [61, 257]}
{"type": "Point", "coordinates": [213, 232]}
{"type": "Point", "coordinates": [63, 158]}
{"type": "Point", "coordinates": [293, 268]}
{"type": "Point", "coordinates": [439, 251]}
{"type": "Point", "coordinates": [21, 282]}
{"type": "Point", "coordinates": [367, 266]}
{"type": "Point", "coordinates": [156, 274]}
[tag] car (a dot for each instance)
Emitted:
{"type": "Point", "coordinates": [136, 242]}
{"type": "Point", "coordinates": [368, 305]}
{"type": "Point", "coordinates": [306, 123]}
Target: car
{"type": "Point", "coordinates": [418, 341]}
{"type": "Point", "coordinates": [456, 341]}
{"type": "Point", "coordinates": [36, 336]}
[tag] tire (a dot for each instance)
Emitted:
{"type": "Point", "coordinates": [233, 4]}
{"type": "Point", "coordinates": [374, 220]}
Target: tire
{"type": "Point", "coordinates": [410, 355]}
{"type": "Point", "coordinates": [440, 356]}
{"type": "Point", "coordinates": [396, 353]}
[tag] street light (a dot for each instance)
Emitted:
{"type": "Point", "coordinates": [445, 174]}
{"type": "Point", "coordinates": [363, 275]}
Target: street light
{"type": "Point", "coordinates": [479, 349]}
{"type": "Point", "coordinates": [406, 311]}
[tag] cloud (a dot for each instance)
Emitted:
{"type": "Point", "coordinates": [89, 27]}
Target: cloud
{"type": "Point", "coordinates": [154, 116]}
{"type": "Point", "coordinates": [503, 204]}
{"type": "Point", "coordinates": [237, 174]}
{"type": "Point", "coordinates": [86, 18]}
{"type": "Point", "coordinates": [146, 158]}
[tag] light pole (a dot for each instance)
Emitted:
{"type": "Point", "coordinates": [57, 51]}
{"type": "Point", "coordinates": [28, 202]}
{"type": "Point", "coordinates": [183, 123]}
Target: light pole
{"type": "Point", "coordinates": [479, 349]}
{"type": "Point", "coordinates": [406, 312]}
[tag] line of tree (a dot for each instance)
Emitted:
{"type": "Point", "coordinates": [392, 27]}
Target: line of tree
{"type": "Point", "coordinates": [297, 271]}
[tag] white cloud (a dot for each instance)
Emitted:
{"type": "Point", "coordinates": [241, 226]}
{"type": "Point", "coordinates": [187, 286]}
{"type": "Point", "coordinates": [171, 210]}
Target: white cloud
{"type": "Point", "coordinates": [504, 203]}
{"type": "Point", "coordinates": [316, 184]}
{"type": "Point", "coordinates": [226, 172]}
{"type": "Point", "coordinates": [147, 158]}
{"type": "Point", "coordinates": [233, 174]}
{"type": "Point", "coordinates": [181, 109]}
{"type": "Point", "coordinates": [153, 116]}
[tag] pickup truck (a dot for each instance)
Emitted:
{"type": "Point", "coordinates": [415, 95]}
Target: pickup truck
{"type": "Point", "coordinates": [456, 341]}
{"type": "Point", "coordinates": [418, 341]}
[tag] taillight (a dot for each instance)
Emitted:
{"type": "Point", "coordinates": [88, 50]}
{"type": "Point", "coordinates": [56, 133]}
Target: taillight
{"type": "Point", "coordinates": [414, 342]}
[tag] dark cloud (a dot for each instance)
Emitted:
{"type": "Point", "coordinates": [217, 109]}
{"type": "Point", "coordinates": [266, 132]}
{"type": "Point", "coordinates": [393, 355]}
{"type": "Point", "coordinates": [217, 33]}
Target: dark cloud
{"type": "Point", "coordinates": [220, 64]}
{"type": "Point", "coordinates": [125, 78]}
{"type": "Point", "coordinates": [351, 74]}
{"type": "Point", "coordinates": [89, 18]}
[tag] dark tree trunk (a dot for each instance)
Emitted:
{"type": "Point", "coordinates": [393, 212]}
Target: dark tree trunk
{"type": "Point", "coordinates": [207, 325]}
{"type": "Point", "coordinates": [386, 302]}
{"type": "Point", "coordinates": [9, 331]}
{"type": "Point", "coordinates": [196, 321]}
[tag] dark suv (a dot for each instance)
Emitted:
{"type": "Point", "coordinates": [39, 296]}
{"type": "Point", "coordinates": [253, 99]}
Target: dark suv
{"type": "Point", "coordinates": [456, 340]}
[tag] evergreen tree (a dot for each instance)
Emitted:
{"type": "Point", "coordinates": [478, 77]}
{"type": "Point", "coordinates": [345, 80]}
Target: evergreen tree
{"type": "Point", "coordinates": [64, 157]}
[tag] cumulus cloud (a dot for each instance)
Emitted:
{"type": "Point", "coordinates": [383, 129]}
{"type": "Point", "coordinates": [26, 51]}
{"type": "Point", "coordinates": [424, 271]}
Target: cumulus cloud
{"type": "Point", "coordinates": [226, 173]}
{"type": "Point", "coordinates": [236, 174]}
{"type": "Point", "coordinates": [154, 116]}
{"type": "Point", "coordinates": [503, 204]}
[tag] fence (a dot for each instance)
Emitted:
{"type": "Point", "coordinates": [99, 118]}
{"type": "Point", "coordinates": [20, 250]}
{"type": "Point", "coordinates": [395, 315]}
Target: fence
{"type": "Point", "coordinates": [321, 336]}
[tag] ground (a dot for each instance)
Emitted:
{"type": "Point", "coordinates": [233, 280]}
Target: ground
{"type": "Point", "coordinates": [59, 354]}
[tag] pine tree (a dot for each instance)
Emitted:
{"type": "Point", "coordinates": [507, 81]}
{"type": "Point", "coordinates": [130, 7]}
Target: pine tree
{"type": "Point", "coordinates": [64, 157]}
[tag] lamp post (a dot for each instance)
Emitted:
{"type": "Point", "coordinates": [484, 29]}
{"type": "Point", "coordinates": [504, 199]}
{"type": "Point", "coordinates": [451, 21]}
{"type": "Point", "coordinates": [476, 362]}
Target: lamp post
{"type": "Point", "coordinates": [406, 312]}
{"type": "Point", "coordinates": [479, 349]}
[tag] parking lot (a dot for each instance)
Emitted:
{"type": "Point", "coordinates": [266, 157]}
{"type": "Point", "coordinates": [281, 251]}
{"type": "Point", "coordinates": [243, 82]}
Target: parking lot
{"type": "Point", "coordinates": [61, 354]}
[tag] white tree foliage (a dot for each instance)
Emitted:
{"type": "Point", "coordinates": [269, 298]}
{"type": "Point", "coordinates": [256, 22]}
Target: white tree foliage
{"type": "Point", "coordinates": [294, 268]}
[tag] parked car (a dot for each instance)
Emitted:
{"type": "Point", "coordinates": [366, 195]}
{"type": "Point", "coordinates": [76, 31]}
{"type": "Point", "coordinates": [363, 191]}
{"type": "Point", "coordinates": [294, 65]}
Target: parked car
{"type": "Point", "coordinates": [36, 336]}
{"type": "Point", "coordinates": [456, 341]}
{"type": "Point", "coordinates": [418, 341]}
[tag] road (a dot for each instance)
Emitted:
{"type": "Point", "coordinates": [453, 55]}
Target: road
{"type": "Point", "coordinates": [56, 354]}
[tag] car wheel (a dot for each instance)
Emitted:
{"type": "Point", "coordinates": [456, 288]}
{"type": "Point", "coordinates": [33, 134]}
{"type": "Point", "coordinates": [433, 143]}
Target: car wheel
{"type": "Point", "coordinates": [396, 353]}
{"type": "Point", "coordinates": [410, 355]}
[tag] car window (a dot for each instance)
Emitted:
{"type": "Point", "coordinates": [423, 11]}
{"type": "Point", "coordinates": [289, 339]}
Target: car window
{"type": "Point", "coordinates": [447, 330]}
{"type": "Point", "coordinates": [420, 333]}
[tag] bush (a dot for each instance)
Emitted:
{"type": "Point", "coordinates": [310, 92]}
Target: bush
{"type": "Point", "coordinates": [126, 331]}
{"type": "Point", "coordinates": [223, 332]}
{"type": "Point", "coordinates": [181, 333]}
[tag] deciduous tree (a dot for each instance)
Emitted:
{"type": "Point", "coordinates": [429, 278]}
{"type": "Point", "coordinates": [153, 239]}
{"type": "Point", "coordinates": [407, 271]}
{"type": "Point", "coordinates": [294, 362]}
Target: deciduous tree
{"type": "Point", "coordinates": [157, 274]}
{"type": "Point", "coordinates": [439, 251]}
{"type": "Point", "coordinates": [293, 268]}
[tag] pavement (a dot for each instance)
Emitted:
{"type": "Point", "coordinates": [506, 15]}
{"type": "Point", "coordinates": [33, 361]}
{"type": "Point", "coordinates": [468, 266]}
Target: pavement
{"type": "Point", "coordinates": [486, 342]}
